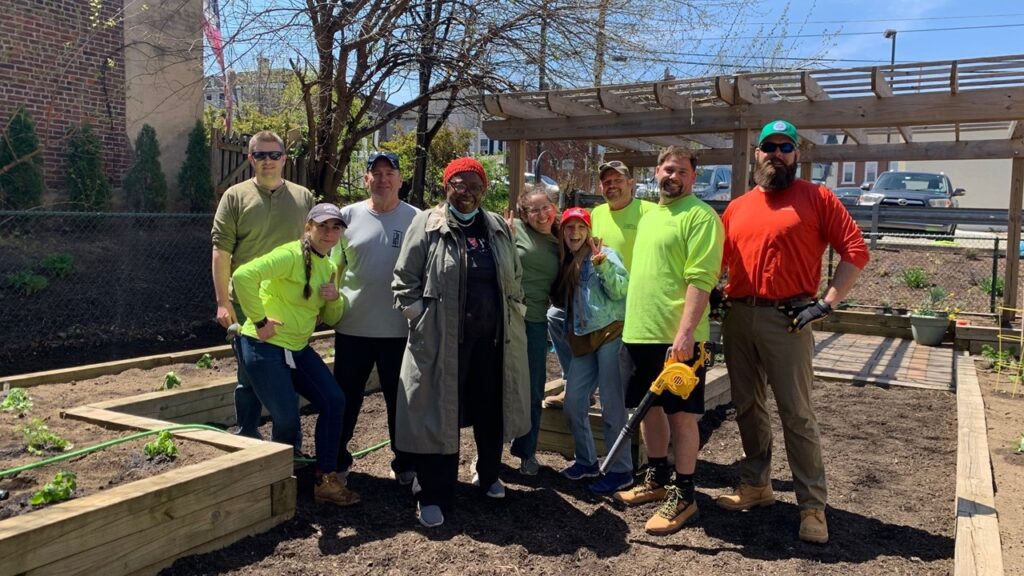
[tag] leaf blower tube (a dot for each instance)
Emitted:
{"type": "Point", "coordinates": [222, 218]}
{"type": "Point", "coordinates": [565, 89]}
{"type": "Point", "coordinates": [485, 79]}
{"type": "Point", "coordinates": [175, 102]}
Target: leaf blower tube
{"type": "Point", "coordinates": [677, 378]}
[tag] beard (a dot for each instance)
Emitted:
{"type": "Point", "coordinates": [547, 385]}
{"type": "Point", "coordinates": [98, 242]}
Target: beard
{"type": "Point", "coordinates": [774, 176]}
{"type": "Point", "coordinates": [670, 191]}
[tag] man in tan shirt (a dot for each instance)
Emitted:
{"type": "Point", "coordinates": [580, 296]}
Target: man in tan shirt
{"type": "Point", "coordinates": [253, 218]}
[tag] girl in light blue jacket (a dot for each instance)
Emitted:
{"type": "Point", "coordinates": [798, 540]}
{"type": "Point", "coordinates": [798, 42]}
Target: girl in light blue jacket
{"type": "Point", "coordinates": [592, 285]}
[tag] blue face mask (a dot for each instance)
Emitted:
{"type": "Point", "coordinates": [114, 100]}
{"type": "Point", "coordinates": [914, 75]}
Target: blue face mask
{"type": "Point", "coordinates": [464, 216]}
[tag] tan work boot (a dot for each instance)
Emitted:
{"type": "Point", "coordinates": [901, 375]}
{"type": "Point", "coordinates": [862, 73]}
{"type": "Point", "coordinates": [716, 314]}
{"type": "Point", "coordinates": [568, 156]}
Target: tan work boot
{"type": "Point", "coordinates": [330, 488]}
{"type": "Point", "coordinates": [554, 401]}
{"type": "Point", "coordinates": [648, 490]}
{"type": "Point", "coordinates": [813, 527]}
{"type": "Point", "coordinates": [673, 513]}
{"type": "Point", "coordinates": [746, 497]}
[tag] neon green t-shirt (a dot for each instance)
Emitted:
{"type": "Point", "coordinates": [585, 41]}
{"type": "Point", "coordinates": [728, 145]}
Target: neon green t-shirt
{"type": "Point", "coordinates": [617, 228]}
{"type": "Point", "coordinates": [271, 287]}
{"type": "Point", "coordinates": [677, 245]}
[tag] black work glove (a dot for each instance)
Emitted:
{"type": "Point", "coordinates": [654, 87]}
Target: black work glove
{"type": "Point", "coordinates": [802, 316]}
{"type": "Point", "coordinates": [716, 305]}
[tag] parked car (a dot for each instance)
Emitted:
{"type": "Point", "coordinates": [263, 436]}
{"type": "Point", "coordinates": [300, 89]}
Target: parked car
{"type": "Point", "coordinates": [714, 183]}
{"type": "Point", "coordinates": [913, 189]}
{"type": "Point", "coordinates": [548, 181]}
{"type": "Point", "coordinates": [848, 195]}
{"type": "Point", "coordinates": [647, 189]}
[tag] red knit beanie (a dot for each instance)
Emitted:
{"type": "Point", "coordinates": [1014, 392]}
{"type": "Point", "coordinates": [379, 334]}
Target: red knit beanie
{"type": "Point", "coordinates": [464, 164]}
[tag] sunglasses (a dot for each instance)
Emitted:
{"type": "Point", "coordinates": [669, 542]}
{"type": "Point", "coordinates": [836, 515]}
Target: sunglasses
{"type": "Point", "coordinates": [769, 147]}
{"type": "Point", "coordinates": [614, 164]}
{"type": "Point", "coordinates": [265, 155]}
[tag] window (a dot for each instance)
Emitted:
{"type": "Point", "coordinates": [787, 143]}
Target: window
{"type": "Point", "coordinates": [568, 165]}
{"type": "Point", "coordinates": [870, 171]}
{"type": "Point", "coordinates": [209, 97]}
{"type": "Point", "coordinates": [848, 171]}
{"type": "Point", "coordinates": [483, 146]}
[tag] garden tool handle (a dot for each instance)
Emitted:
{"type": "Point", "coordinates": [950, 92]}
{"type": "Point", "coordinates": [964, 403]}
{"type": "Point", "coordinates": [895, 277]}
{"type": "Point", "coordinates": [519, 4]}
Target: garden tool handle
{"type": "Point", "coordinates": [629, 429]}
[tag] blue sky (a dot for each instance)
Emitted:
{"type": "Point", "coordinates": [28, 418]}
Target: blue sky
{"type": "Point", "coordinates": [909, 16]}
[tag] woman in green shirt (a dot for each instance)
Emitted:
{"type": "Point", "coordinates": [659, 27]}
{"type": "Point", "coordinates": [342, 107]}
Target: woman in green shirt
{"type": "Point", "coordinates": [536, 233]}
{"type": "Point", "coordinates": [284, 293]}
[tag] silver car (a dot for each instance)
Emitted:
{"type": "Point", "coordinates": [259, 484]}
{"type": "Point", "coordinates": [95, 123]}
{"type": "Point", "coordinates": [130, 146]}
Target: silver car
{"type": "Point", "coordinates": [913, 189]}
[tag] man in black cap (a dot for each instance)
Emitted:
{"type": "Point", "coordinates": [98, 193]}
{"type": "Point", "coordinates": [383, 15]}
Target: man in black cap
{"type": "Point", "coordinates": [372, 333]}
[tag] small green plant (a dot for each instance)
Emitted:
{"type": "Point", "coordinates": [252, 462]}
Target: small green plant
{"type": "Point", "coordinates": [57, 490]}
{"type": "Point", "coordinates": [57, 265]}
{"type": "Point", "coordinates": [26, 282]}
{"type": "Point", "coordinates": [17, 400]}
{"type": "Point", "coordinates": [970, 254]}
{"type": "Point", "coordinates": [162, 446]}
{"type": "Point", "coordinates": [329, 353]}
{"type": "Point", "coordinates": [206, 361]}
{"type": "Point", "coordinates": [39, 439]}
{"type": "Point", "coordinates": [930, 306]}
{"type": "Point", "coordinates": [992, 283]}
{"type": "Point", "coordinates": [1020, 445]}
{"type": "Point", "coordinates": [171, 381]}
{"type": "Point", "coordinates": [1008, 357]}
{"type": "Point", "coordinates": [914, 277]}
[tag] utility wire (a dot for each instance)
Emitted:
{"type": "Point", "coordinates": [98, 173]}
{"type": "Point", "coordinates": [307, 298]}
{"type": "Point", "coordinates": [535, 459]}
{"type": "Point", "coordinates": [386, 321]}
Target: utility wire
{"type": "Point", "coordinates": [833, 34]}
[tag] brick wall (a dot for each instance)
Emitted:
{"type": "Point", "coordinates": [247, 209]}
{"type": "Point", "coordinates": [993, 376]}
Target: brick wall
{"type": "Point", "coordinates": [65, 70]}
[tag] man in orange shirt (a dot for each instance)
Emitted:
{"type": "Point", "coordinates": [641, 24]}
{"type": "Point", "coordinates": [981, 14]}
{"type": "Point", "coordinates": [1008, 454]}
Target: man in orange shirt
{"type": "Point", "coordinates": [775, 236]}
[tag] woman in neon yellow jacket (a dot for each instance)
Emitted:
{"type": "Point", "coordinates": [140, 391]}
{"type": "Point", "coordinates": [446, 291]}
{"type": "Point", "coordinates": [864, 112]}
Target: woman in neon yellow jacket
{"type": "Point", "coordinates": [284, 293]}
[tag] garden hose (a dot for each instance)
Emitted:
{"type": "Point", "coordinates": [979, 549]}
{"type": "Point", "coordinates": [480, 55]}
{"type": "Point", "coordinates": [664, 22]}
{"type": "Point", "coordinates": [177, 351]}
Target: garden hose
{"type": "Point", "coordinates": [143, 434]}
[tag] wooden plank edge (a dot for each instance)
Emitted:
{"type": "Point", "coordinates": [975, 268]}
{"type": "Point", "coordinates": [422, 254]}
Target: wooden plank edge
{"type": "Point", "coordinates": [978, 549]}
{"type": "Point", "coordinates": [877, 380]}
{"type": "Point", "coordinates": [120, 420]}
{"type": "Point", "coordinates": [88, 371]}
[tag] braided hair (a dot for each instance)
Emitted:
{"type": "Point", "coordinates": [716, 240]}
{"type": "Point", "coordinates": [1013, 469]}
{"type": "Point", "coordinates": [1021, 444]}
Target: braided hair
{"type": "Point", "coordinates": [307, 263]}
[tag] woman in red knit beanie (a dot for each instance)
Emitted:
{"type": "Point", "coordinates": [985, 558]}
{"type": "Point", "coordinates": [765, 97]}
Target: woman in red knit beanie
{"type": "Point", "coordinates": [458, 282]}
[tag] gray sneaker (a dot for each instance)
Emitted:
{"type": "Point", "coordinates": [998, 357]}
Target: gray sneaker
{"type": "Point", "coordinates": [495, 490]}
{"type": "Point", "coordinates": [529, 466]}
{"type": "Point", "coordinates": [430, 516]}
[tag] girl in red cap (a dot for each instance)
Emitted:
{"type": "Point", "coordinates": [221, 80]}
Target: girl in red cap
{"type": "Point", "coordinates": [591, 287]}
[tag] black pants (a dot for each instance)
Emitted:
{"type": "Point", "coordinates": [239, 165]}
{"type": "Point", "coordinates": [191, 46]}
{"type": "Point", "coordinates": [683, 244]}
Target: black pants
{"type": "Point", "coordinates": [355, 357]}
{"type": "Point", "coordinates": [480, 388]}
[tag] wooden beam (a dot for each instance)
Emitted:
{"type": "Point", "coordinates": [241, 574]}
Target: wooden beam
{"type": "Point", "coordinates": [670, 99]}
{"type": "Point", "coordinates": [616, 103]}
{"type": "Point", "coordinates": [880, 86]}
{"type": "Point", "coordinates": [492, 106]}
{"type": "Point", "coordinates": [515, 159]}
{"type": "Point", "coordinates": [627, 144]}
{"type": "Point", "coordinates": [740, 162]}
{"type": "Point", "coordinates": [724, 90]}
{"type": "Point", "coordinates": [954, 79]}
{"type": "Point", "coordinates": [1013, 237]}
{"type": "Point", "coordinates": [811, 90]}
{"type": "Point", "coordinates": [709, 140]}
{"type": "Point", "coordinates": [971, 106]}
{"type": "Point", "coordinates": [516, 109]}
{"type": "Point", "coordinates": [1016, 130]}
{"type": "Point", "coordinates": [858, 135]}
{"type": "Point", "coordinates": [977, 550]}
{"type": "Point", "coordinates": [826, 153]}
{"type": "Point", "coordinates": [747, 93]}
{"type": "Point", "coordinates": [566, 107]}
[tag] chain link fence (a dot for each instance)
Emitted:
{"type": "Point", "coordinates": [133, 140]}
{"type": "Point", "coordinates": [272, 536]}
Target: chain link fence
{"type": "Point", "coordinates": [907, 271]}
{"type": "Point", "coordinates": [79, 288]}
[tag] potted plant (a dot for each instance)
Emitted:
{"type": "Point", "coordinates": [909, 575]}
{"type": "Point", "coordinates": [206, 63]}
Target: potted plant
{"type": "Point", "coordinates": [929, 322]}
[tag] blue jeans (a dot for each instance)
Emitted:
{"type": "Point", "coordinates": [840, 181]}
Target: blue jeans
{"type": "Point", "coordinates": [273, 382]}
{"type": "Point", "coordinates": [599, 369]}
{"type": "Point", "coordinates": [248, 410]}
{"type": "Point", "coordinates": [556, 329]}
{"type": "Point", "coordinates": [536, 356]}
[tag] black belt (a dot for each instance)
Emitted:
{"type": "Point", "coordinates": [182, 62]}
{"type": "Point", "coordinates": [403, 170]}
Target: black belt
{"type": "Point", "coordinates": [755, 301]}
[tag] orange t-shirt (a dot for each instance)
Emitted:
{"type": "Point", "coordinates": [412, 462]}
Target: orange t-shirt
{"type": "Point", "coordinates": [774, 240]}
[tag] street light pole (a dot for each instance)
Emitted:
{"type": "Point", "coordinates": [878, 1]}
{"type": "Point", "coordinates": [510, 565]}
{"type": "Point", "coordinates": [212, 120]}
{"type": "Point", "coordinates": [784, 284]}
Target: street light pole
{"type": "Point", "coordinates": [891, 34]}
{"type": "Point", "coordinates": [536, 169]}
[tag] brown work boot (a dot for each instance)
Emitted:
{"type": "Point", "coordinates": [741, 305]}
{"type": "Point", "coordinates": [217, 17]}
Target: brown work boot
{"type": "Point", "coordinates": [331, 488]}
{"type": "Point", "coordinates": [746, 497]}
{"type": "Point", "coordinates": [673, 513]}
{"type": "Point", "coordinates": [813, 527]}
{"type": "Point", "coordinates": [648, 490]}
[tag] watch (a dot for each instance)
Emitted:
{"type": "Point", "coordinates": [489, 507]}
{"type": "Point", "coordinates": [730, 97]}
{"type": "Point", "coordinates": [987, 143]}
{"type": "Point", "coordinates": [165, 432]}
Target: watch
{"type": "Point", "coordinates": [259, 324]}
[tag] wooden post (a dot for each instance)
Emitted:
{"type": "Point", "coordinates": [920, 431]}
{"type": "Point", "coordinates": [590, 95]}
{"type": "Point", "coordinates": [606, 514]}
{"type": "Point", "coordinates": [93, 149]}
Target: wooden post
{"type": "Point", "coordinates": [740, 162]}
{"type": "Point", "coordinates": [515, 156]}
{"type": "Point", "coordinates": [1013, 238]}
{"type": "Point", "coordinates": [215, 168]}
{"type": "Point", "coordinates": [806, 171]}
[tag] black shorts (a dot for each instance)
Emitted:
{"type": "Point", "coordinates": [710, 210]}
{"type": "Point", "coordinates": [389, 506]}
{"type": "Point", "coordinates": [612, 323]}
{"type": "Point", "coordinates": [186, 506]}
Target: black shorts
{"type": "Point", "coordinates": [648, 362]}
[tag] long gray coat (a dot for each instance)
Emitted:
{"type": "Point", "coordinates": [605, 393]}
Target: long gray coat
{"type": "Point", "coordinates": [427, 281]}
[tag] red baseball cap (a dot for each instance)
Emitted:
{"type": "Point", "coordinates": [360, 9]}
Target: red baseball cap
{"type": "Point", "coordinates": [580, 213]}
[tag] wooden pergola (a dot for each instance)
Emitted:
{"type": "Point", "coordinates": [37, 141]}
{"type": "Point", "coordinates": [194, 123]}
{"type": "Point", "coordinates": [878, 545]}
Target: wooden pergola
{"type": "Point", "coordinates": [718, 116]}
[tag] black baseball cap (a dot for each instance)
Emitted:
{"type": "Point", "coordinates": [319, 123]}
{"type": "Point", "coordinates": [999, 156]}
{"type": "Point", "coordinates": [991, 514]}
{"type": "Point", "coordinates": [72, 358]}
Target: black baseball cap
{"type": "Point", "coordinates": [391, 157]}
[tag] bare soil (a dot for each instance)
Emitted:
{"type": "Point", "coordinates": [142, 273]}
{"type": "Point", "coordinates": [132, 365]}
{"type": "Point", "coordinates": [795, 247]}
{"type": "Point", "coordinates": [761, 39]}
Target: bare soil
{"type": "Point", "coordinates": [1004, 416]}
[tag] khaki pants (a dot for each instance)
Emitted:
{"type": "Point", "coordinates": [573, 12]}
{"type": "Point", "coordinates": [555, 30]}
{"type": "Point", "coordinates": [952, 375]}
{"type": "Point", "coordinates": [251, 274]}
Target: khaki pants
{"type": "Point", "coordinates": [760, 353]}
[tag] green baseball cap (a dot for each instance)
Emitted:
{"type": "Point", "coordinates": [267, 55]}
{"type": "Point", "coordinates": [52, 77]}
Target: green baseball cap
{"type": "Point", "coordinates": [778, 127]}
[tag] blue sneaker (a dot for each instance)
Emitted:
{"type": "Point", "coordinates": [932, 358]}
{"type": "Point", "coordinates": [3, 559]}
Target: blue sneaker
{"type": "Point", "coordinates": [579, 471]}
{"type": "Point", "coordinates": [430, 516]}
{"type": "Point", "coordinates": [612, 482]}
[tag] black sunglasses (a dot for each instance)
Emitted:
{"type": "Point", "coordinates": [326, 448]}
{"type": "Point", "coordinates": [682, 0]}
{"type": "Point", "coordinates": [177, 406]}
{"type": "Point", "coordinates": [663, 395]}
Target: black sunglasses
{"type": "Point", "coordinates": [265, 155]}
{"type": "Point", "coordinates": [769, 147]}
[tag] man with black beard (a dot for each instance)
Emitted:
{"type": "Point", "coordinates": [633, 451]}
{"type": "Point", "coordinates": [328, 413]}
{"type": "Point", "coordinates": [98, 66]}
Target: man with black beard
{"type": "Point", "coordinates": [775, 236]}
